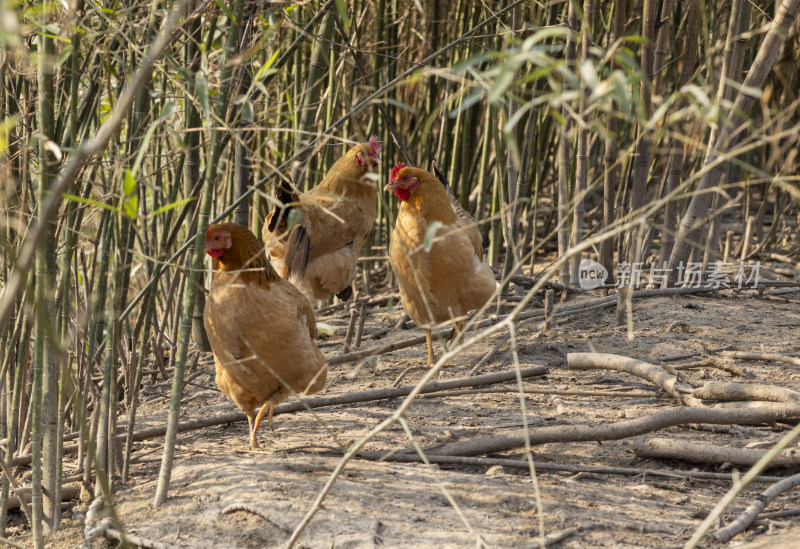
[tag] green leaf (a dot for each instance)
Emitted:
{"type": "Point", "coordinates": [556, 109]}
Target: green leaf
{"type": "Point", "coordinates": [247, 112]}
{"type": "Point", "coordinates": [293, 218]}
{"type": "Point", "coordinates": [172, 206]}
{"type": "Point", "coordinates": [6, 125]}
{"type": "Point", "coordinates": [341, 7]}
{"type": "Point", "coordinates": [130, 202]}
{"type": "Point", "coordinates": [201, 87]}
{"type": "Point", "coordinates": [326, 329]}
{"type": "Point", "coordinates": [91, 202]}
{"type": "Point", "coordinates": [129, 185]}
{"type": "Point", "coordinates": [64, 55]}
{"type": "Point", "coordinates": [430, 234]}
{"type": "Point", "coordinates": [546, 34]}
{"type": "Point", "coordinates": [224, 7]}
{"type": "Point", "coordinates": [264, 71]}
{"type": "Point", "coordinates": [169, 108]}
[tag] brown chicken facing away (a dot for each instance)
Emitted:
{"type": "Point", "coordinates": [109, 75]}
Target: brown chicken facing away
{"type": "Point", "coordinates": [338, 214]}
{"type": "Point", "coordinates": [440, 278]}
{"type": "Point", "coordinates": [261, 327]}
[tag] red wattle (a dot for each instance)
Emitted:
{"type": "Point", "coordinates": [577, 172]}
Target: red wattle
{"type": "Point", "coordinates": [214, 253]}
{"type": "Point", "coordinates": [402, 193]}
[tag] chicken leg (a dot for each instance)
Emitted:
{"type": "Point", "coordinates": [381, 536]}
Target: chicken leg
{"type": "Point", "coordinates": [267, 406]}
{"type": "Point", "coordinates": [429, 341]}
{"type": "Point", "coordinates": [458, 329]}
{"type": "Point", "coordinates": [431, 355]}
{"type": "Point", "coordinates": [253, 440]}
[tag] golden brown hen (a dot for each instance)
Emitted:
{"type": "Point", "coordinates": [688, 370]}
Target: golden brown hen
{"type": "Point", "coordinates": [338, 214]}
{"type": "Point", "coordinates": [261, 328]}
{"type": "Point", "coordinates": [445, 277]}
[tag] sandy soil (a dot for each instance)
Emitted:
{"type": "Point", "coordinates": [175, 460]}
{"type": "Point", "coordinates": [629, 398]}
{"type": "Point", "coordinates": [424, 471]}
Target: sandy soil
{"type": "Point", "coordinates": [224, 495]}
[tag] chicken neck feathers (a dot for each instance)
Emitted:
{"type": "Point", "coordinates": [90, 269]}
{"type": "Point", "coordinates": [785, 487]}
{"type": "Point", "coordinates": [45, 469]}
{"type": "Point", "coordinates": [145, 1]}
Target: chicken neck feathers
{"type": "Point", "coordinates": [450, 279]}
{"type": "Point", "coordinates": [260, 327]}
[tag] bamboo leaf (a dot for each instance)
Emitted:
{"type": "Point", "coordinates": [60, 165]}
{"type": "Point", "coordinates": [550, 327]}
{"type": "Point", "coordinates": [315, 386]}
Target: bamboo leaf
{"type": "Point", "coordinates": [341, 7]}
{"type": "Point", "coordinates": [430, 234]}
{"type": "Point", "coordinates": [166, 111]}
{"type": "Point", "coordinates": [201, 88]}
{"type": "Point", "coordinates": [224, 7]}
{"type": "Point", "coordinates": [130, 202]}
{"type": "Point", "coordinates": [326, 329]}
{"type": "Point", "coordinates": [91, 202]}
{"type": "Point", "coordinates": [5, 126]}
{"type": "Point", "coordinates": [293, 218]}
{"type": "Point", "coordinates": [172, 206]}
{"type": "Point", "coordinates": [266, 69]}
{"type": "Point", "coordinates": [63, 55]}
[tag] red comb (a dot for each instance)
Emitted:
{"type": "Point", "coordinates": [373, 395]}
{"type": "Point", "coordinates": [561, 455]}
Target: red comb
{"type": "Point", "coordinates": [397, 167]}
{"type": "Point", "coordinates": [376, 145]}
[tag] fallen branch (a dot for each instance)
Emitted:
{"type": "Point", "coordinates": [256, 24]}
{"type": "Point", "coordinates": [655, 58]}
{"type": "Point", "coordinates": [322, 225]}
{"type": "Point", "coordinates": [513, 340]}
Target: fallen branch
{"type": "Point", "coordinates": [684, 450]}
{"type": "Point", "coordinates": [488, 356]}
{"type": "Point", "coordinates": [550, 391]}
{"type": "Point", "coordinates": [11, 543]}
{"type": "Point", "coordinates": [232, 508]}
{"type": "Point", "coordinates": [649, 372]}
{"type": "Point", "coordinates": [554, 467]}
{"type": "Point", "coordinates": [312, 403]}
{"type": "Point", "coordinates": [777, 357]}
{"type": "Point", "coordinates": [528, 316]}
{"type": "Point", "coordinates": [671, 417]}
{"type": "Point", "coordinates": [720, 390]}
{"type": "Point", "coordinates": [720, 363]}
{"type": "Point", "coordinates": [554, 537]}
{"type": "Point", "coordinates": [673, 358]}
{"type": "Point", "coordinates": [68, 492]}
{"type": "Point", "coordinates": [739, 485]}
{"type": "Point", "coordinates": [133, 539]}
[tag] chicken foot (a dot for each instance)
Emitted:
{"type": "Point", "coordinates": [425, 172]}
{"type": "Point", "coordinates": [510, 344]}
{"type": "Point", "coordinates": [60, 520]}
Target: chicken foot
{"type": "Point", "coordinates": [458, 329]}
{"type": "Point", "coordinates": [431, 355]}
{"type": "Point", "coordinates": [268, 406]}
{"type": "Point", "coordinates": [253, 440]}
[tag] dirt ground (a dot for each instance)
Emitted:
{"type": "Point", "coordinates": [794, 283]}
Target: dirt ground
{"type": "Point", "coordinates": [224, 495]}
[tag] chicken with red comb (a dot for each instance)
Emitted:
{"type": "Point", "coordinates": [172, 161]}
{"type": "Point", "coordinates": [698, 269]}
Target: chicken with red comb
{"type": "Point", "coordinates": [261, 328]}
{"type": "Point", "coordinates": [444, 278]}
{"type": "Point", "coordinates": [338, 214]}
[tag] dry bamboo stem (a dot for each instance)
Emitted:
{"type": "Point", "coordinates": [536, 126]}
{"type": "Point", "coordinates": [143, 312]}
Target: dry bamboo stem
{"type": "Point", "coordinates": [749, 515]}
{"type": "Point", "coordinates": [313, 403]}
{"type": "Point", "coordinates": [650, 372]}
{"type": "Point", "coordinates": [684, 450]}
{"type": "Point", "coordinates": [554, 467]}
{"type": "Point", "coordinates": [139, 541]}
{"type": "Point", "coordinates": [719, 390]}
{"type": "Point", "coordinates": [619, 430]}
{"type": "Point", "coordinates": [528, 315]}
{"type": "Point", "coordinates": [777, 357]}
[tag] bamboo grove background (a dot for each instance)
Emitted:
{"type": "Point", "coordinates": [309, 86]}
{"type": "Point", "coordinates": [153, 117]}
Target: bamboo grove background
{"type": "Point", "coordinates": [640, 130]}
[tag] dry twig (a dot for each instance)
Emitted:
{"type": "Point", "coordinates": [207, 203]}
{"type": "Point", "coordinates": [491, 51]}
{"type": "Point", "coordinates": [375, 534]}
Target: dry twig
{"type": "Point", "coordinates": [619, 430]}
{"type": "Point", "coordinates": [684, 450]}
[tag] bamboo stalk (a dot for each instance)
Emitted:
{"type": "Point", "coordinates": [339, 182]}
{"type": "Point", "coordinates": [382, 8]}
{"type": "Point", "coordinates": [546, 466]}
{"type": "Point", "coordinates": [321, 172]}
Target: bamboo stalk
{"type": "Point", "coordinates": [196, 262]}
{"type": "Point", "coordinates": [715, 160]}
{"type": "Point", "coordinates": [582, 153]}
{"type": "Point", "coordinates": [564, 156]}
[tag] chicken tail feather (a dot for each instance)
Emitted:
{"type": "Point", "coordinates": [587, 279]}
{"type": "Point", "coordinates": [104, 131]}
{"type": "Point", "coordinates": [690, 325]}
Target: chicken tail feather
{"type": "Point", "coordinates": [296, 259]}
{"type": "Point", "coordinates": [440, 176]}
{"type": "Point", "coordinates": [285, 195]}
{"type": "Point", "coordinates": [454, 203]}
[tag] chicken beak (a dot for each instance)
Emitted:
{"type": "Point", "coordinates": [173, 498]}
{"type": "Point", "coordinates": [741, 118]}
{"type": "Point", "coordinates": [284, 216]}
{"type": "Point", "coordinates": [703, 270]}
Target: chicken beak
{"type": "Point", "coordinates": [390, 187]}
